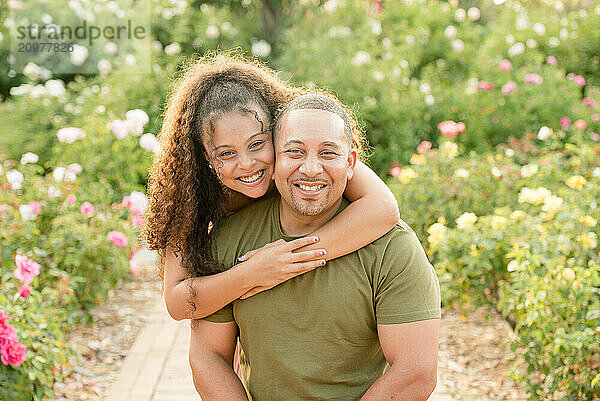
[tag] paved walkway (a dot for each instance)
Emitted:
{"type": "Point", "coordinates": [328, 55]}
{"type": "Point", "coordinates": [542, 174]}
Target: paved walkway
{"type": "Point", "coordinates": [157, 369]}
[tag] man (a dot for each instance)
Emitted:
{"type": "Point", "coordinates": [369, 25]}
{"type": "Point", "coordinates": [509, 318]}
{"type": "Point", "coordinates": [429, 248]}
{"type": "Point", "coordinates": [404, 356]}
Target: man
{"type": "Point", "coordinates": [363, 327]}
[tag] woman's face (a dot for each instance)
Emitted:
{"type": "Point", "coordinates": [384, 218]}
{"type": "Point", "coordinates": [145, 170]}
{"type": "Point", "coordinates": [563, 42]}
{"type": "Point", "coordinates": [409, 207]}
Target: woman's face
{"type": "Point", "coordinates": [241, 154]}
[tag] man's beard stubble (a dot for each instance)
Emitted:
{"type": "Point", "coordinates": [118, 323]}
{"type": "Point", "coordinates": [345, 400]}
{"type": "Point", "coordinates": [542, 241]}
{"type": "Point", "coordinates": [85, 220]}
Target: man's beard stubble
{"type": "Point", "coordinates": [309, 208]}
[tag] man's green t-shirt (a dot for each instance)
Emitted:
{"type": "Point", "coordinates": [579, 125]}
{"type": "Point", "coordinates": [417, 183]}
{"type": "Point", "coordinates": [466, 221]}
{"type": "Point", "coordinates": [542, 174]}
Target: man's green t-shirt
{"type": "Point", "coordinates": [314, 337]}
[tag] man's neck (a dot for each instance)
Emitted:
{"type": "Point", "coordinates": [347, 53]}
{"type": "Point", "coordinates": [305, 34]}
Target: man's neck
{"type": "Point", "coordinates": [294, 224]}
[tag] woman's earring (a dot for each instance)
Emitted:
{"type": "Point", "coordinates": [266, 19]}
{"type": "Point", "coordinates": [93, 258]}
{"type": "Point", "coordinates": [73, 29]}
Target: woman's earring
{"type": "Point", "coordinates": [210, 166]}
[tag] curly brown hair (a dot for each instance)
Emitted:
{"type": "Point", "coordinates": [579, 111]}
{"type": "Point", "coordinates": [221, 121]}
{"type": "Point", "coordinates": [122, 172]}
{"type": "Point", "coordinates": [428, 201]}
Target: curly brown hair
{"type": "Point", "coordinates": [185, 194]}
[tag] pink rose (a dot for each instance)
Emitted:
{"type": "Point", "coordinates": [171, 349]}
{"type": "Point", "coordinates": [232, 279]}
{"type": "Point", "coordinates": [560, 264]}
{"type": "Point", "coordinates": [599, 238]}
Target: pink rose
{"type": "Point", "coordinates": [579, 81]}
{"type": "Point", "coordinates": [137, 221]}
{"type": "Point", "coordinates": [7, 333]}
{"type": "Point", "coordinates": [87, 208]}
{"type": "Point", "coordinates": [24, 290]}
{"type": "Point", "coordinates": [595, 117]}
{"type": "Point", "coordinates": [134, 267]}
{"type": "Point", "coordinates": [71, 198]}
{"type": "Point", "coordinates": [13, 353]}
{"type": "Point", "coordinates": [505, 65]}
{"type": "Point", "coordinates": [590, 103]}
{"type": "Point", "coordinates": [126, 201]}
{"type": "Point", "coordinates": [378, 7]}
{"type": "Point", "coordinates": [570, 76]}
{"type": "Point", "coordinates": [35, 207]}
{"type": "Point", "coordinates": [533, 79]}
{"type": "Point", "coordinates": [551, 60]}
{"type": "Point", "coordinates": [26, 269]}
{"type": "Point", "coordinates": [395, 169]}
{"type": "Point", "coordinates": [595, 137]}
{"type": "Point", "coordinates": [424, 147]}
{"type": "Point", "coordinates": [118, 238]}
{"type": "Point", "coordinates": [580, 124]}
{"type": "Point", "coordinates": [565, 123]}
{"type": "Point", "coordinates": [508, 87]}
{"type": "Point", "coordinates": [3, 317]}
{"type": "Point", "coordinates": [485, 86]}
{"type": "Point", "coordinates": [450, 128]}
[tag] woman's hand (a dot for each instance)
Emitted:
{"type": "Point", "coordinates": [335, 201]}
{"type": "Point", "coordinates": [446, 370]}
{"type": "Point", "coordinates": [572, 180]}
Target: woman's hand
{"type": "Point", "coordinates": [276, 262]}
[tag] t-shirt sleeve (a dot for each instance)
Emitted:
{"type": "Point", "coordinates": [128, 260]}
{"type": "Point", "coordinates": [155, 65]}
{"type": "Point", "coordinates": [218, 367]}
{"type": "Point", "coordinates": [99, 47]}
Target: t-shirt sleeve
{"type": "Point", "coordinates": [223, 315]}
{"type": "Point", "coordinates": [406, 286]}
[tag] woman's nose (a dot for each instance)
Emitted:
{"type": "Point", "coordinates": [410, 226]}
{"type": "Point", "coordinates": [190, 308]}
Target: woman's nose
{"type": "Point", "coordinates": [246, 161]}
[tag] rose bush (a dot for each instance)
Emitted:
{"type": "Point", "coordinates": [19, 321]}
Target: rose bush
{"type": "Point", "coordinates": [518, 229]}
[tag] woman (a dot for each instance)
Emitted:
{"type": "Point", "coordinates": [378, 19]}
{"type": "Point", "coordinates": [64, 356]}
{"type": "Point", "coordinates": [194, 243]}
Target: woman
{"type": "Point", "coordinates": [217, 156]}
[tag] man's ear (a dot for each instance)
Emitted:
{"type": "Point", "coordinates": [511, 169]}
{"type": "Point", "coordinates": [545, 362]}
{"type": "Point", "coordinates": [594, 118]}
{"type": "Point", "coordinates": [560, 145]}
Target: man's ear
{"type": "Point", "coordinates": [352, 159]}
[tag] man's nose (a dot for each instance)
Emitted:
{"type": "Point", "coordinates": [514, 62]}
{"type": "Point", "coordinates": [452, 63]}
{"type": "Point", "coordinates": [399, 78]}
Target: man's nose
{"type": "Point", "coordinates": [311, 167]}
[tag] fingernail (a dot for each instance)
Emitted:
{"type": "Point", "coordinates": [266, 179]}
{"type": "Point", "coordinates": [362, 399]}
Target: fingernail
{"type": "Point", "coordinates": [322, 252]}
{"type": "Point", "coordinates": [322, 263]}
{"type": "Point", "coordinates": [316, 239]}
{"type": "Point", "coordinates": [241, 258]}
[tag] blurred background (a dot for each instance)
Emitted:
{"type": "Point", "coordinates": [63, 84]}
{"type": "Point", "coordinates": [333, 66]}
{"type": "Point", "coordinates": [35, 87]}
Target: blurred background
{"type": "Point", "coordinates": [482, 116]}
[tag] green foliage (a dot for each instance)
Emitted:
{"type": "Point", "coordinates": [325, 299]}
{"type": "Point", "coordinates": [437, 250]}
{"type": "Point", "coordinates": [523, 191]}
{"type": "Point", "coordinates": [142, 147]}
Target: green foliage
{"type": "Point", "coordinates": [519, 229]}
{"type": "Point", "coordinates": [79, 265]}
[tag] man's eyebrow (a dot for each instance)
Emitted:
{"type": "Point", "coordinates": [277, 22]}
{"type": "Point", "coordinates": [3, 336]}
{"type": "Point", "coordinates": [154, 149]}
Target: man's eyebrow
{"type": "Point", "coordinates": [249, 140]}
{"type": "Point", "coordinates": [331, 144]}
{"type": "Point", "coordinates": [293, 141]}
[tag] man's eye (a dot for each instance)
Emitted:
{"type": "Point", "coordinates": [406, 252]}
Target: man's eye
{"type": "Point", "coordinates": [293, 152]}
{"type": "Point", "coordinates": [329, 153]}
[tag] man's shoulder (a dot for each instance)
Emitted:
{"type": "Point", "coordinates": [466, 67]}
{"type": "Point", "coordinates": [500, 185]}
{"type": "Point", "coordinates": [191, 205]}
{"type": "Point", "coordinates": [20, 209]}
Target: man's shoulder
{"type": "Point", "coordinates": [400, 234]}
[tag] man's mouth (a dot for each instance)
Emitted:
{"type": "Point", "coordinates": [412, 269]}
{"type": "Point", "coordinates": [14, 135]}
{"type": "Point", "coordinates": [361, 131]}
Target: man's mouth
{"type": "Point", "coordinates": [310, 188]}
{"type": "Point", "coordinates": [253, 178]}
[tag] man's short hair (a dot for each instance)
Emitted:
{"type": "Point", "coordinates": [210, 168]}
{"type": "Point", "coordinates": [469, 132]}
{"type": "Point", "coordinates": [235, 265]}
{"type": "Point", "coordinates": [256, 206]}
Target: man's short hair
{"type": "Point", "coordinates": [320, 102]}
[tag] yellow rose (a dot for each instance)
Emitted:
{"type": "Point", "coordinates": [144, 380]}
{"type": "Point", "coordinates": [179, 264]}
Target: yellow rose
{"type": "Point", "coordinates": [466, 220]}
{"type": "Point", "coordinates": [498, 222]}
{"type": "Point", "coordinates": [588, 221]}
{"type": "Point", "coordinates": [474, 251]}
{"type": "Point", "coordinates": [535, 196]}
{"type": "Point", "coordinates": [588, 240]}
{"type": "Point", "coordinates": [568, 274]}
{"type": "Point", "coordinates": [441, 220]}
{"type": "Point", "coordinates": [449, 149]}
{"type": "Point", "coordinates": [576, 182]}
{"type": "Point", "coordinates": [437, 234]}
{"type": "Point", "coordinates": [517, 216]}
{"type": "Point", "coordinates": [417, 159]}
{"type": "Point", "coordinates": [406, 175]}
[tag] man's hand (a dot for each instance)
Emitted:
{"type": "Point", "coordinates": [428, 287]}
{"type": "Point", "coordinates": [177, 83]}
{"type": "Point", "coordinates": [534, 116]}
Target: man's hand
{"type": "Point", "coordinates": [411, 350]}
{"type": "Point", "coordinates": [211, 356]}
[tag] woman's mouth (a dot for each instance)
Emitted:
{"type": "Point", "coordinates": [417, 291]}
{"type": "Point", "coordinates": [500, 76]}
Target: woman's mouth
{"type": "Point", "coordinates": [253, 178]}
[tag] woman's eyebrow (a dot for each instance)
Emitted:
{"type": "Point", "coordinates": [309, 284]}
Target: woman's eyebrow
{"type": "Point", "coordinates": [255, 135]}
{"type": "Point", "coordinates": [249, 140]}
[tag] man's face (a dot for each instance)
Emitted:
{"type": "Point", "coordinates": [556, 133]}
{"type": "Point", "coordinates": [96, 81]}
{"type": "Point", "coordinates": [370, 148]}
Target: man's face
{"type": "Point", "coordinates": [313, 160]}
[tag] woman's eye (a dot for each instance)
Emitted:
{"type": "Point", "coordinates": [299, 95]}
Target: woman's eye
{"type": "Point", "coordinates": [226, 154]}
{"type": "Point", "coordinates": [256, 144]}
